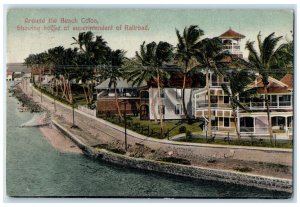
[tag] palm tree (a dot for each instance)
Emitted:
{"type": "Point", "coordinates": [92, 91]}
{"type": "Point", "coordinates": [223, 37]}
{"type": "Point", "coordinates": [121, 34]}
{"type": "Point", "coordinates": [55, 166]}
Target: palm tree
{"type": "Point", "coordinates": [66, 71]}
{"type": "Point", "coordinates": [114, 72]}
{"type": "Point", "coordinates": [283, 59]}
{"type": "Point", "coordinates": [56, 60]}
{"type": "Point", "coordinates": [92, 52]}
{"type": "Point", "coordinates": [153, 56]}
{"type": "Point", "coordinates": [187, 48]}
{"type": "Point", "coordinates": [83, 40]}
{"type": "Point", "coordinates": [264, 60]}
{"type": "Point", "coordinates": [209, 56]}
{"type": "Point", "coordinates": [85, 75]}
{"type": "Point", "coordinates": [238, 81]}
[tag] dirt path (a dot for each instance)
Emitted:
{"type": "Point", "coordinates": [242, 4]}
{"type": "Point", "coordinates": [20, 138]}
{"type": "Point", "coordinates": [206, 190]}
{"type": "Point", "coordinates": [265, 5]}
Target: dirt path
{"type": "Point", "coordinates": [94, 133]}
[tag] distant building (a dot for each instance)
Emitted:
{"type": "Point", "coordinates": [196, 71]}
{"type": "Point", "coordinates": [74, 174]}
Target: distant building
{"type": "Point", "coordinates": [42, 75]}
{"type": "Point", "coordinates": [9, 75]}
{"type": "Point", "coordinates": [18, 76]}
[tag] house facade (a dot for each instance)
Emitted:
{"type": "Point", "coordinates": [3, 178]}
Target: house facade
{"type": "Point", "coordinates": [255, 121]}
{"type": "Point", "coordinates": [9, 75]}
{"type": "Point", "coordinates": [132, 100]}
{"type": "Point", "coordinates": [171, 102]}
{"type": "Point", "coordinates": [231, 42]}
{"type": "Point", "coordinates": [42, 75]}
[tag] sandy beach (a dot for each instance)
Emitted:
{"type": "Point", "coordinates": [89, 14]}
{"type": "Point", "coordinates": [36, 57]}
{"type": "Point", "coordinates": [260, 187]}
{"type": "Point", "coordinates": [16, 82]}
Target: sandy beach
{"type": "Point", "coordinates": [59, 141]}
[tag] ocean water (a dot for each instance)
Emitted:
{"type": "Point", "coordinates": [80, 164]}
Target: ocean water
{"type": "Point", "coordinates": [35, 168]}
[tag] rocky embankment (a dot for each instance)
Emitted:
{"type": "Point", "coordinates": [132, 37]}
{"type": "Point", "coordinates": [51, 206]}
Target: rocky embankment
{"type": "Point", "coordinates": [27, 102]}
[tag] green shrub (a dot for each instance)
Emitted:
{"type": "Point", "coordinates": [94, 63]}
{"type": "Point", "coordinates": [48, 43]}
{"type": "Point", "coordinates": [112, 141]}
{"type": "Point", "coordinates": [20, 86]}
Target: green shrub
{"type": "Point", "coordinates": [243, 169]}
{"type": "Point", "coordinates": [188, 134]}
{"type": "Point", "coordinates": [177, 160]}
{"type": "Point", "coordinates": [182, 129]}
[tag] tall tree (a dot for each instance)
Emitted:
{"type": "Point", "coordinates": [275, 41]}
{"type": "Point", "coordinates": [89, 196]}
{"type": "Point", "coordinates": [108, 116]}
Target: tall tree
{"type": "Point", "coordinates": [114, 72]}
{"type": "Point", "coordinates": [56, 55]}
{"type": "Point", "coordinates": [210, 58]}
{"type": "Point", "coordinates": [152, 57]}
{"type": "Point", "coordinates": [93, 52]}
{"type": "Point", "coordinates": [83, 40]}
{"type": "Point", "coordinates": [187, 48]}
{"type": "Point", "coordinates": [264, 60]}
{"type": "Point", "coordinates": [238, 81]}
{"type": "Point", "coordinates": [67, 73]}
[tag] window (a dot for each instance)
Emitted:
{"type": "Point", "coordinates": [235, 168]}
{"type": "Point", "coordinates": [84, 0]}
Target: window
{"type": "Point", "coordinates": [161, 108]}
{"type": "Point", "coordinates": [214, 99]}
{"type": "Point", "coordinates": [225, 79]}
{"type": "Point", "coordinates": [178, 109]}
{"type": "Point", "coordinates": [278, 120]}
{"type": "Point", "coordinates": [226, 99]}
{"type": "Point", "coordinates": [162, 93]}
{"type": "Point", "coordinates": [226, 122]}
{"type": "Point", "coordinates": [178, 93]}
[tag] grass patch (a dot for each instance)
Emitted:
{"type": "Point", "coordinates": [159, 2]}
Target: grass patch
{"type": "Point", "coordinates": [176, 160]}
{"type": "Point", "coordinates": [152, 129]}
{"type": "Point", "coordinates": [243, 169]}
{"type": "Point", "coordinates": [79, 98]}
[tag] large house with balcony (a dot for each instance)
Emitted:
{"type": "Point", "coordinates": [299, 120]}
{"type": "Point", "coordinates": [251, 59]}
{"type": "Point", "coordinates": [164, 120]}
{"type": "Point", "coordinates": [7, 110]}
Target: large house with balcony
{"type": "Point", "coordinates": [253, 122]}
{"type": "Point", "coordinates": [280, 94]}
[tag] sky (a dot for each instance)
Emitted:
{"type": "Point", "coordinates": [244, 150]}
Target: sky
{"type": "Point", "coordinates": [161, 24]}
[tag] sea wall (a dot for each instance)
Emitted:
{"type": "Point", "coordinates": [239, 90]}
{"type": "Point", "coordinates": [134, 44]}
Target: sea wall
{"type": "Point", "coordinates": [264, 182]}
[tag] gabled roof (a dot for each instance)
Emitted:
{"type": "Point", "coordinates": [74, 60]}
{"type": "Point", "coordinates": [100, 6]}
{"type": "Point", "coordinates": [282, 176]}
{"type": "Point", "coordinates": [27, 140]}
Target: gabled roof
{"type": "Point", "coordinates": [121, 83]}
{"type": "Point", "coordinates": [288, 80]}
{"type": "Point", "coordinates": [275, 86]}
{"type": "Point", "coordinates": [231, 34]}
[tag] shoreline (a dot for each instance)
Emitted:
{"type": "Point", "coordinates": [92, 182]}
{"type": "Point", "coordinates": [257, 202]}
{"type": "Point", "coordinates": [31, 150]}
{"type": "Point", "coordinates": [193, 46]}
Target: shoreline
{"type": "Point", "coordinates": [58, 141]}
{"type": "Point", "coordinates": [189, 171]}
{"type": "Point", "coordinates": [88, 138]}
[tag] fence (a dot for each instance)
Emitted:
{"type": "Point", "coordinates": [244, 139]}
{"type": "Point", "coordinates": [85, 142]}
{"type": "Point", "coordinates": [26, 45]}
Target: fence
{"type": "Point", "coordinates": [87, 110]}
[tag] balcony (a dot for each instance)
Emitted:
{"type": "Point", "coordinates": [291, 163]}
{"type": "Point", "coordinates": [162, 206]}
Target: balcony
{"type": "Point", "coordinates": [201, 105]}
{"type": "Point", "coordinates": [273, 105]}
{"type": "Point", "coordinates": [218, 84]}
{"type": "Point", "coordinates": [233, 49]}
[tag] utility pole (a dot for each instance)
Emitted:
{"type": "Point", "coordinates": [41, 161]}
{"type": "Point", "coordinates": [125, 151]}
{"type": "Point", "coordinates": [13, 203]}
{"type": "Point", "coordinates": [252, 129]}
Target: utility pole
{"type": "Point", "coordinates": [73, 111]}
{"type": "Point", "coordinates": [125, 122]}
{"type": "Point", "coordinates": [208, 97]}
{"type": "Point", "coordinates": [54, 102]}
{"type": "Point", "coordinates": [41, 95]}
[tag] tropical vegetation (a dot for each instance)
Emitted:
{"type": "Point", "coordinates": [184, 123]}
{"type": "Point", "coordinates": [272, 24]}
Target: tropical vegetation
{"type": "Point", "coordinates": [92, 61]}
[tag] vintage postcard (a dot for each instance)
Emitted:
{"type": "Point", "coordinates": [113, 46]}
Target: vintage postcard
{"type": "Point", "coordinates": [149, 103]}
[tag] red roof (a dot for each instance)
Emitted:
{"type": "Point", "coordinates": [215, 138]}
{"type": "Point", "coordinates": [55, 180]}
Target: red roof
{"type": "Point", "coordinates": [231, 34]}
{"type": "Point", "coordinates": [43, 71]}
{"type": "Point", "coordinates": [9, 72]}
{"type": "Point", "coordinates": [274, 85]}
{"type": "Point", "coordinates": [288, 80]}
